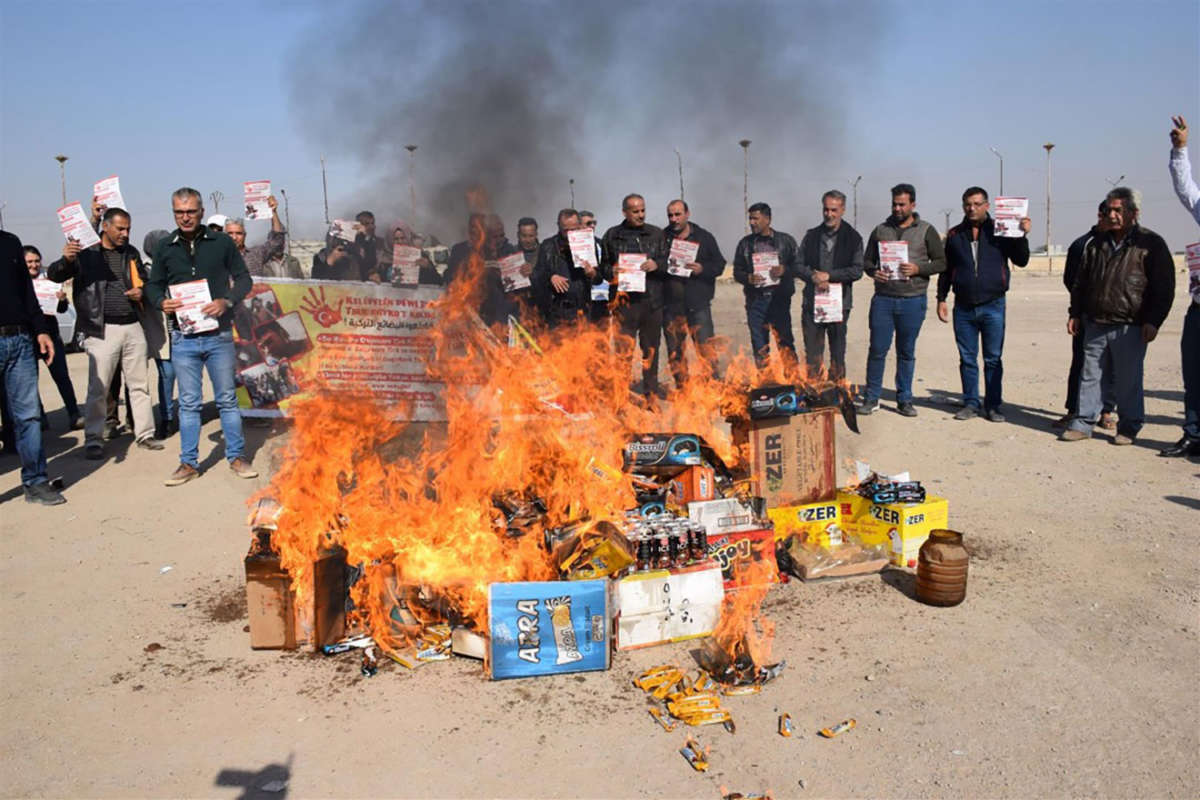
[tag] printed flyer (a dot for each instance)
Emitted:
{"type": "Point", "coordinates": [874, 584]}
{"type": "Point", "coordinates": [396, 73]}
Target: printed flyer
{"type": "Point", "coordinates": [256, 193]}
{"type": "Point", "coordinates": [764, 262]}
{"type": "Point", "coordinates": [1007, 212]}
{"type": "Point", "coordinates": [76, 225]}
{"type": "Point", "coordinates": [682, 253]}
{"type": "Point", "coordinates": [583, 246]}
{"type": "Point", "coordinates": [47, 295]}
{"type": "Point", "coordinates": [1193, 265]}
{"type": "Point", "coordinates": [827, 304]}
{"type": "Point", "coordinates": [108, 192]}
{"type": "Point", "coordinates": [404, 264]}
{"type": "Point", "coordinates": [630, 275]}
{"type": "Point", "coordinates": [195, 296]}
{"type": "Point", "coordinates": [891, 256]}
{"type": "Point", "coordinates": [342, 334]}
{"type": "Point", "coordinates": [510, 273]}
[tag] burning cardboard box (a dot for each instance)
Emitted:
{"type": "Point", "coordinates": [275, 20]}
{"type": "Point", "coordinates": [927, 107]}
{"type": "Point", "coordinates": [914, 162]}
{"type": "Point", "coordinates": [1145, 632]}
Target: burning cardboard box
{"type": "Point", "coordinates": [793, 459]}
{"type": "Point", "coordinates": [668, 605]}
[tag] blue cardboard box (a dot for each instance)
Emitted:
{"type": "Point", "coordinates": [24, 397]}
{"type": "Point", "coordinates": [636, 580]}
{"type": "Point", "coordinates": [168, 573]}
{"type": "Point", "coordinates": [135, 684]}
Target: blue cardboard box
{"type": "Point", "coordinates": [548, 628]}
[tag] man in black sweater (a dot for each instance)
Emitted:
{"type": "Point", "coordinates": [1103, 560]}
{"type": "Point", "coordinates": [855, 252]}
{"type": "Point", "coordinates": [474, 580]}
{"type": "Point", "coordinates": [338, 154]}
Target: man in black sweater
{"type": "Point", "coordinates": [831, 260]}
{"type": "Point", "coordinates": [22, 334]}
{"type": "Point", "coordinates": [689, 291]}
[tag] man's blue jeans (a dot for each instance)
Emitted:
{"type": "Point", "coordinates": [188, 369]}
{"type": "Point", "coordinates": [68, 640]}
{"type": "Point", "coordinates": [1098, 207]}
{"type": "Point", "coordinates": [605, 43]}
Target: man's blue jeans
{"type": "Point", "coordinates": [902, 316]}
{"type": "Point", "coordinates": [191, 355]}
{"type": "Point", "coordinates": [166, 391]}
{"type": "Point", "coordinates": [19, 379]}
{"type": "Point", "coordinates": [971, 325]}
{"type": "Point", "coordinates": [1127, 351]}
{"type": "Point", "coordinates": [770, 310]}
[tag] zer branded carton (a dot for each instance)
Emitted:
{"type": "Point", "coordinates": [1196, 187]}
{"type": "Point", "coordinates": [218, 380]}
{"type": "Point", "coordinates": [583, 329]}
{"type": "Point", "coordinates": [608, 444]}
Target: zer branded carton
{"type": "Point", "coordinates": [901, 528]}
{"type": "Point", "coordinates": [792, 459]}
{"type": "Point", "coordinates": [819, 523]}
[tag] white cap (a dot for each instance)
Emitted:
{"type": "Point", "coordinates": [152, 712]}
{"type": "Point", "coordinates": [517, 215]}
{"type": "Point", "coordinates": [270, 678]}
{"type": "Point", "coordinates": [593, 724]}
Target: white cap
{"type": "Point", "coordinates": [217, 219]}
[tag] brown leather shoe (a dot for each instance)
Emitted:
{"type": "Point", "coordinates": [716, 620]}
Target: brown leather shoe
{"type": "Point", "coordinates": [241, 467]}
{"type": "Point", "coordinates": [182, 474]}
{"type": "Point", "coordinates": [1072, 435]}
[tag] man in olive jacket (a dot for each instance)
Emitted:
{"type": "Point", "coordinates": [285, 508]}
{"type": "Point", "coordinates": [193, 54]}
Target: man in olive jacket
{"type": "Point", "coordinates": [191, 253]}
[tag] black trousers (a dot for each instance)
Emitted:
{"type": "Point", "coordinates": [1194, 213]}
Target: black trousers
{"type": "Point", "coordinates": [678, 322]}
{"type": "Point", "coordinates": [815, 334]}
{"type": "Point", "coordinates": [643, 321]}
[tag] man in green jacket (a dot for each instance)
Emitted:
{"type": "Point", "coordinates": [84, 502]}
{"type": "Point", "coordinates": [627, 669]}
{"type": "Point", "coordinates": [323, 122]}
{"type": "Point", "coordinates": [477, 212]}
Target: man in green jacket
{"type": "Point", "coordinates": [205, 261]}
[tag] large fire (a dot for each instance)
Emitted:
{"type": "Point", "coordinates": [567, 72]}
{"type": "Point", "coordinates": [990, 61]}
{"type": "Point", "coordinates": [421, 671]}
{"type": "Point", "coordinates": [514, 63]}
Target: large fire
{"type": "Point", "coordinates": [423, 512]}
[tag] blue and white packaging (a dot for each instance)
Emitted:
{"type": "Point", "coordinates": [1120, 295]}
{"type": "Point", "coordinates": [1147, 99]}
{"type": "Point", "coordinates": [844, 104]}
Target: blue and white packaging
{"type": "Point", "coordinates": [548, 628]}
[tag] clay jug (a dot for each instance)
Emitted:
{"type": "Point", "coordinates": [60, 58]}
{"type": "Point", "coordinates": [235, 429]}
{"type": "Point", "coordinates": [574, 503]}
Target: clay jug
{"type": "Point", "coordinates": [942, 569]}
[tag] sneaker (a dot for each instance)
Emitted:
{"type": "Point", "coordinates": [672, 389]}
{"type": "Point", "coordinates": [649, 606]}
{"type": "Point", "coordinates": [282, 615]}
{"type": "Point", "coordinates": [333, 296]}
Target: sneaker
{"type": "Point", "coordinates": [907, 410]}
{"type": "Point", "coordinates": [1108, 421]}
{"type": "Point", "coordinates": [967, 412]}
{"type": "Point", "coordinates": [182, 474]}
{"type": "Point", "coordinates": [1062, 422]}
{"type": "Point", "coordinates": [1122, 440]}
{"type": "Point", "coordinates": [43, 493]}
{"type": "Point", "coordinates": [241, 467]}
{"type": "Point", "coordinates": [1073, 435]}
{"type": "Point", "coordinates": [93, 452]}
{"type": "Point", "coordinates": [994, 415]}
{"type": "Point", "coordinates": [149, 443]}
{"type": "Point", "coordinates": [868, 407]}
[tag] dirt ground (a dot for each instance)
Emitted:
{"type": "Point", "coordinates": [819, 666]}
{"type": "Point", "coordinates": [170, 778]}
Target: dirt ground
{"type": "Point", "coordinates": [1070, 670]}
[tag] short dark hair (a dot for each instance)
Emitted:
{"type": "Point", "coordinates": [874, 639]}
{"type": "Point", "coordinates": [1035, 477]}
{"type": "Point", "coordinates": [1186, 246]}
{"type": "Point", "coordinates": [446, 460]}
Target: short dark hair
{"type": "Point", "coordinates": [1103, 209]}
{"type": "Point", "coordinates": [974, 190]}
{"type": "Point", "coordinates": [109, 213]}
{"type": "Point", "coordinates": [905, 188]}
{"type": "Point", "coordinates": [360, 216]}
{"type": "Point", "coordinates": [523, 221]}
{"type": "Point", "coordinates": [761, 208]}
{"type": "Point", "coordinates": [584, 213]}
{"type": "Point", "coordinates": [566, 212]}
{"type": "Point", "coordinates": [836, 195]}
{"type": "Point", "coordinates": [681, 202]}
{"type": "Point", "coordinates": [1130, 198]}
{"type": "Point", "coordinates": [31, 249]}
{"type": "Point", "coordinates": [625, 200]}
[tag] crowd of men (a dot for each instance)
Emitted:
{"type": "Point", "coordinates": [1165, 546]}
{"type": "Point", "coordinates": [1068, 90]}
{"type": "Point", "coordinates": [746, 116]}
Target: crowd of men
{"type": "Point", "coordinates": [1120, 277]}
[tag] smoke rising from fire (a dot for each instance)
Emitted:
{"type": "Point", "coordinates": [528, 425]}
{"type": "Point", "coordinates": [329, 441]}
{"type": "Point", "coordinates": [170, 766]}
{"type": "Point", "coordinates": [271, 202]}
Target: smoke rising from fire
{"type": "Point", "coordinates": [521, 97]}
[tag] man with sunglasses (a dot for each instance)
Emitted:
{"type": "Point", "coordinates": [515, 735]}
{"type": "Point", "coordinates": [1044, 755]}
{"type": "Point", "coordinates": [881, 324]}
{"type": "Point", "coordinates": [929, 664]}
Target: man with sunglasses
{"type": "Point", "coordinates": [193, 253]}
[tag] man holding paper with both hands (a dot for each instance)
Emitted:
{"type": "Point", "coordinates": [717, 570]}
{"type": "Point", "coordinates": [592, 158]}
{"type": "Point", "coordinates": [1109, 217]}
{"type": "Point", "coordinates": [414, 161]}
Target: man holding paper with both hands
{"type": "Point", "coordinates": [978, 251]}
{"type": "Point", "coordinates": [694, 262]}
{"type": "Point", "coordinates": [197, 278]}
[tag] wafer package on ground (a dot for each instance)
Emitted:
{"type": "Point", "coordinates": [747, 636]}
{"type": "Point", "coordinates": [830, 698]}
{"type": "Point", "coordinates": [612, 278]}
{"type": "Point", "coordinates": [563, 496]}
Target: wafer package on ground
{"type": "Point", "coordinates": [900, 528]}
{"type": "Point", "coordinates": [667, 605]}
{"type": "Point", "coordinates": [818, 523]}
{"type": "Point", "coordinates": [547, 628]}
{"type": "Point", "coordinates": [742, 548]}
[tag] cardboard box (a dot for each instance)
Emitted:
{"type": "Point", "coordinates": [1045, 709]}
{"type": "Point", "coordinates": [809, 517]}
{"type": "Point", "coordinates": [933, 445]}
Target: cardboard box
{"type": "Point", "coordinates": [901, 528]}
{"type": "Point", "coordinates": [742, 547]}
{"type": "Point", "coordinates": [793, 459]}
{"type": "Point", "coordinates": [818, 523]}
{"type": "Point", "coordinates": [667, 605]}
{"type": "Point", "coordinates": [548, 628]}
{"type": "Point", "coordinates": [277, 622]}
{"type": "Point", "coordinates": [725, 515]}
{"type": "Point", "coordinates": [694, 485]}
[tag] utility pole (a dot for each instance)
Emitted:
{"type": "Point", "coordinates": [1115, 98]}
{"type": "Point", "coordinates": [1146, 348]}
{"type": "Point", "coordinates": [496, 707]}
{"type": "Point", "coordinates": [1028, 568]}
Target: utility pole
{"type": "Point", "coordinates": [412, 182]}
{"type": "Point", "coordinates": [997, 152]}
{"type": "Point", "coordinates": [217, 196]}
{"type": "Point", "coordinates": [325, 190]}
{"type": "Point", "coordinates": [2, 206]}
{"type": "Point", "coordinates": [571, 184]}
{"type": "Point", "coordinates": [946, 212]}
{"type": "Point", "coordinates": [1049, 260]}
{"type": "Point", "coordinates": [679, 158]}
{"type": "Point", "coordinates": [287, 223]}
{"type": "Point", "coordinates": [745, 143]}
{"type": "Point", "coordinates": [854, 186]}
{"type": "Point", "coordinates": [62, 171]}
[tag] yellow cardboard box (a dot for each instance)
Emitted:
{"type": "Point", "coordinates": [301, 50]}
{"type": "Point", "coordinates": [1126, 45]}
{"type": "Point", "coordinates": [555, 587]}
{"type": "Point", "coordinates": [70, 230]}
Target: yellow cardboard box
{"type": "Point", "coordinates": [813, 522]}
{"type": "Point", "coordinates": [901, 528]}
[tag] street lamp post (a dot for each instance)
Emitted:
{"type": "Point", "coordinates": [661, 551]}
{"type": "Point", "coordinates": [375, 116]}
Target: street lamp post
{"type": "Point", "coordinates": [854, 186]}
{"type": "Point", "coordinates": [62, 172]}
{"type": "Point", "coordinates": [679, 158]}
{"type": "Point", "coordinates": [745, 143]}
{"type": "Point", "coordinates": [217, 196]}
{"type": "Point", "coordinates": [324, 190]}
{"type": "Point", "coordinates": [997, 152]}
{"type": "Point", "coordinates": [1049, 260]}
{"type": "Point", "coordinates": [947, 212]}
{"type": "Point", "coordinates": [1114, 181]}
{"type": "Point", "coordinates": [412, 184]}
{"type": "Point", "coordinates": [571, 183]}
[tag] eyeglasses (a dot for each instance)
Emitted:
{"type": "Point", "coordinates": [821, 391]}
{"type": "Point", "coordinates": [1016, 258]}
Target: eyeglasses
{"type": "Point", "coordinates": [186, 212]}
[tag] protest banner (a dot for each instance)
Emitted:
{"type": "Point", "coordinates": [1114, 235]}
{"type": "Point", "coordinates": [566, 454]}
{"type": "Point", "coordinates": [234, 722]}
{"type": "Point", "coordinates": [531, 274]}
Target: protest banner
{"type": "Point", "coordinates": [291, 335]}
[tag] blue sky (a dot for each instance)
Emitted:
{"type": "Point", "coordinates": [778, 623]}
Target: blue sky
{"type": "Point", "coordinates": [205, 97]}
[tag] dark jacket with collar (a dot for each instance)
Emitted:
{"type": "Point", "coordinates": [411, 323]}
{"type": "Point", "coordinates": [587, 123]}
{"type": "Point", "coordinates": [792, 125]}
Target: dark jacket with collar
{"type": "Point", "coordinates": [847, 262]}
{"type": "Point", "coordinates": [925, 249]}
{"type": "Point", "coordinates": [1075, 257]}
{"type": "Point", "coordinates": [789, 258]}
{"type": "Point", "coordinates": [18, 302]}
{"type": "Point", "coordinates": [1130, 285]}
{"type": "Point", "coordinates": [983, 278]}
{"type": "Point", "coordinates": [494, 303]}
{"type": "Point", "coordinates": [697, 291]}
{"type": "Point", "coordinates": [648, 240]}
{"type": "Point", "coordinates": [210, 256]}
{"type": "Point", "coordinates": [554, 258]}
{"type": "Point", "coordinates": [91, 276]}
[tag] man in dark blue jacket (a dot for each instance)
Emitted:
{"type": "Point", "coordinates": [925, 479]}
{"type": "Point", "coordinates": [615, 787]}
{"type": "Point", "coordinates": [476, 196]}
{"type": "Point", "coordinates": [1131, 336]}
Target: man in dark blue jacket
{"type": "Point", "coordinates": [689, 292]}
{"type": "Point", "coordinates": [768, 290]}
{"type": "Point", "coordinates": [977, 269]}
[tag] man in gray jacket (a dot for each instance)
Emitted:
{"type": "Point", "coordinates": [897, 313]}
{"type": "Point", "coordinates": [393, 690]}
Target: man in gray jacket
{"type": "Point", "coordinates": [900, 299]}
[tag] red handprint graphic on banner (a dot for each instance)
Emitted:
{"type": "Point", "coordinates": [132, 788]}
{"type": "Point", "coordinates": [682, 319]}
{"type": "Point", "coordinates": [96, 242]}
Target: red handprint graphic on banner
{"type": "Point", "coordinates": [321, 312]}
